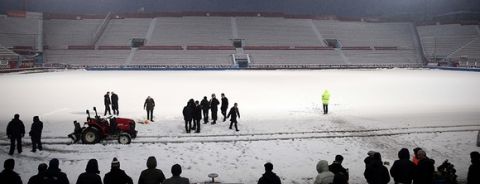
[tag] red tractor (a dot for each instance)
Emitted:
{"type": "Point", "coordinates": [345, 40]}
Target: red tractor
{"type": "Point", "coordinates": [109, 128]}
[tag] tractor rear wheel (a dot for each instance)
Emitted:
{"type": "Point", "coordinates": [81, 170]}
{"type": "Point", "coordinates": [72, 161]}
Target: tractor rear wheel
{"type": "Point", "coordinates": [90, 136]}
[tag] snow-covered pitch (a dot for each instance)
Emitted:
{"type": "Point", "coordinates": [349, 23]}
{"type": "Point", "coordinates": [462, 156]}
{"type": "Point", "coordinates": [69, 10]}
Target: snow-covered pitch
{"type": "Point", "coordinates": [281, 119]}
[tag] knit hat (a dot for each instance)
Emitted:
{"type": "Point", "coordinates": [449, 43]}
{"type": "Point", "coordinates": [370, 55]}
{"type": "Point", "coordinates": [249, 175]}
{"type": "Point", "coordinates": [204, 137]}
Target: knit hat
{"type": "Point", "coordinates": [115, 163]}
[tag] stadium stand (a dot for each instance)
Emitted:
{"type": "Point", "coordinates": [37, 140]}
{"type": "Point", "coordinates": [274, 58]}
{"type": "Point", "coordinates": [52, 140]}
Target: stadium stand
{"type": "Point", "coordinates": [270, 31]}
{"type": "Point", "coordinates": [87, 57]}
{"type": "Point", "coordinates": [440, 41]}
{"type": "Point", "coordinates": [210, 31]}
{"type": "Point", "coordinates": [183, 57]}
{"type": "Point", "coordinates": [119, 32]}
{"type": "Point", "coordinates": [59, 34]}
{"type": "Point", "coordinates": [18, 31]}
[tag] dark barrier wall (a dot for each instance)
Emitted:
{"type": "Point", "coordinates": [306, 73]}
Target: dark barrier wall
{"type": "Point", "coordinates": [355, 8]}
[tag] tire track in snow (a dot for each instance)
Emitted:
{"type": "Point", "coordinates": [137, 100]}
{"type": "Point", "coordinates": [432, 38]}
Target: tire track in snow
{"type": "Point", "coordinates": [277, 136]}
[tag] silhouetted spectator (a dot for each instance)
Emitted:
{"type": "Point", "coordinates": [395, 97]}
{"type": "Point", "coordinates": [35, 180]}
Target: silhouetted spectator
{"type": "Point", "coordinates": [152, 175]}
{"type": "Point", "coordinates": [214, 108]}
{"type": "Point", "coordinates": [403, 169]}
{"type": "Point", "coordinates": [224, 106]}
{"type": "Point", "coordinates": [369, 158]}
{"type": "Point", "coordinates": [205, 107]}
{"type": "Point", "coordinates": [107, 102]}
{"type": "Point", "coordinates": [54, 175]}
{"type": "Point", "coordinates": [197, 116]}
{"type": "Point", "coordinates": [341, 174]}
{"type": "Point", "coordinates": [149, 105]}
{"type": "Point", "coordinates": [8, 175]}
{"type": "Point", "coordinates": [234, 113]}
{"type": "Point", "coordinates": [115, 103]}
{"type": "Point", "coordinates": [15, 132]}
{"type": "Point", "coordinates": [176, 178]}
{"type": "Point", "coordinates": [188, 111]}
{"type": "Point", "coordinates": [116, 175]}
{"type": "Point", "coordinates": [90, 176]}
{"type": "Point", "coordinates": [37, 179]}
{"type": "Point", "coordinates": [376, 172]}
{"type": "Point", "coordinates": [474, 169]}
{"type": "Point", "coordinates": [77, 132]}
{"type": "Point", "coordinates": [324, 175]}
{"type": "Point", "coordinates": [424, 170]}
{"type": "Point", "coordinates": [415, 159]}
{"type": "Point", "coordinates": [36, 134]}
{"type": "Point", "coordinates": [269, 177]}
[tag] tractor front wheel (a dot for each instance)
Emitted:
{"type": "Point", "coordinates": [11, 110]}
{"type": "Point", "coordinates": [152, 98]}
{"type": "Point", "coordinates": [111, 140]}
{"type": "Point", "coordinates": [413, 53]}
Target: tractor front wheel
{"type": "Point", "coordinates": [124, 138]}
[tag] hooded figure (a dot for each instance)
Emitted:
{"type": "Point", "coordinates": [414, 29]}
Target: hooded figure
{"type": "Point", "coordinates": [152, 175]}
{"type": "Point", "coordinates": [116, 175]}
{"type": "Point", "coordinates": [325, 101]}
{"type": "Point", "coordinates": [269, 177]}
{"type": "Point", "coordinates": [37, 179]}
{"type": "Point", "coordinates": [90, 176]}
{"type": "Point", "coordinates": [36, 134]}
{"type": "Point", "coordinates": [324, 175]}
{"type": "Point", "coordinates": [474, 169]}
{"type": "Point", "coordinates": [15, 131]}
{"type": "Point", "coordinates": [8, 175]}
{"type": "Point", "coordinates": [107, 102]}
{"type": "Point", "coordinates": [176, 178]}
{"type": "Point", "coordinates": [403, 169]}
{"type": "Point", "coordinates": [424, 171]}
{"type": "Point", "coordinates": [376, 173]}
{"type": "Point", "coordinates": [114, 103]}
{"type": "Point", "coordinates": [54, 175]}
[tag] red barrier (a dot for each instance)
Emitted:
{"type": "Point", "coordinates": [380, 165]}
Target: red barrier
{"type": "Point", "coordinates": [81, 47]}
{"type": "Point", "coordinates": [113, 47]}
{"type": "Point", "coordinates": [199, 47]}
{"type": "Point", "coordinates": [357, 48]}
{"type": "Point", "coordinates": [161, 47]}
{"type": "Point", "coordinates": [386, 48]}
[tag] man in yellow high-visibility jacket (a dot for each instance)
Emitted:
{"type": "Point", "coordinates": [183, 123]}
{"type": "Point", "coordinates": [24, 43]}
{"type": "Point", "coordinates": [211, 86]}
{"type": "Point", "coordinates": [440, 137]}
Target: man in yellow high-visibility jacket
{"type": "Point", "coordinates": [325, 100]}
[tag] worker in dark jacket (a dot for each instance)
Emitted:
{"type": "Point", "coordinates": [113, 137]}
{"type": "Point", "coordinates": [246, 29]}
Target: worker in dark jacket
{"type": "Point", "coordinates": [90, 176]}
{"type": "Point", "coordinates": [152, 175]}
{"type": "Point", "coordinates": [54, 175]}
{"type": "Point", "coordinates": [107, 102]}
{"type": "Point", "coordinates": [149, 105]}
{"type": "Point", "coordinates": [269, 177]}
{"type": "Point", "coordinates": [15, 132]}
{"type": "Point", "coordinates": [115, 103]}
{"type": "Point", "coordinates": [214, 108]}
{"type": "Point", "coordinates": [474, 169]}
{"type": "Point", "coordinates": [205, 107]}
{"type": "Point", "coordinates": [224, 106]}
{"type": "Point", "coordinates": [341, 174]}
{"type": "Point", "coordinates": [197, 116]}
{"type": "Point", "coordinates": [116, 175]}
{"type": "Point", "coordinates": [37, 179]}
{"type": "Point", "coordinates": [188, 111]}
{"type": "Point", "coordinates": [36, 134]}
{"type": "Point", "coordinates": [376, 173]}
{"type": "Point", "coordinates": [234, 113]}
{"type": "Point", "coordinates": [425, 169]}
{"type": "Point", "coordinates": [8, 175]}
{"type": "Point", "coordinates": [77, 132]}
{"type": "Point", "coordinates": [403, 169]}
